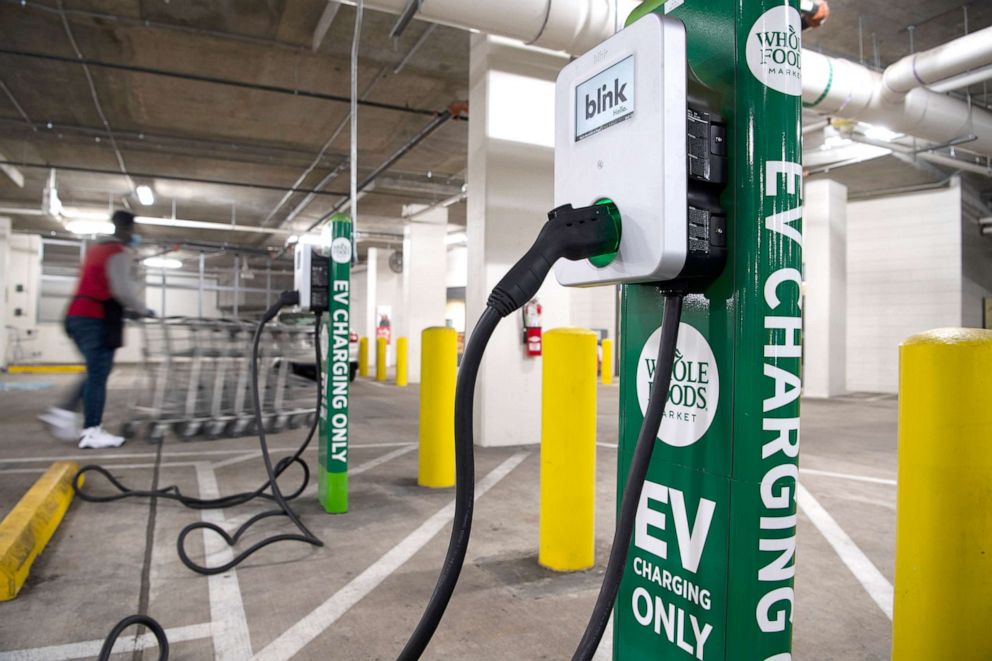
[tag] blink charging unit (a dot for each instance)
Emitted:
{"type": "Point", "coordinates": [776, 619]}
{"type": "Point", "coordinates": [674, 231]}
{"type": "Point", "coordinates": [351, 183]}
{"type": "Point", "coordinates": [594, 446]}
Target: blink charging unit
{"type": "Point", "coordinates": [311, 278]}
{"type": "Point", "coordinates": [629, 131]}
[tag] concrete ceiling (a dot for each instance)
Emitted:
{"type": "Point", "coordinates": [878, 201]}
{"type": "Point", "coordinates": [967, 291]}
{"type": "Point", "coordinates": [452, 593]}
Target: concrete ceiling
{"type": "Point", "coordinates": [191, 140]}
{"type": "Point", "coordinates": [177, 135]}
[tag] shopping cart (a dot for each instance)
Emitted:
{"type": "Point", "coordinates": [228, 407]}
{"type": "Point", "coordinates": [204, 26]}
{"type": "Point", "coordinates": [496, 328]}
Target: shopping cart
{"type": "Point", "coordinates": [194, 378]}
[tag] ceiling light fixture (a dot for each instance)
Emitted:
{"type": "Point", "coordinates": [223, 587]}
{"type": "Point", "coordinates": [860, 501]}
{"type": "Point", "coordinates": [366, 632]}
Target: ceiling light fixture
{"type": "Point", "coordinates": [86, 227]}
{"type": "Point", "coordinates": [145, 195]}
{"type": "Point", "coordinates": [162, 263]}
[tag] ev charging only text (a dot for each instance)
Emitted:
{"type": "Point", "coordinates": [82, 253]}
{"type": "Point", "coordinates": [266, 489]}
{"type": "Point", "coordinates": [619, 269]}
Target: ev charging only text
{"type": "Point", "coordinates": [782, 353]}
{"type": "Point", "coordinates": [339, 368]}
{"type": "Point", "coordinates": [652, 535]}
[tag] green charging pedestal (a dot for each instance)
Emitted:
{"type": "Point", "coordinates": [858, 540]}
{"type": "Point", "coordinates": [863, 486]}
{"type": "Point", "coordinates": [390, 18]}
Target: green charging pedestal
{"type": "Point", "coordinates": [332, 469]}
{"type": "Point", "coordinates": [712, 562]}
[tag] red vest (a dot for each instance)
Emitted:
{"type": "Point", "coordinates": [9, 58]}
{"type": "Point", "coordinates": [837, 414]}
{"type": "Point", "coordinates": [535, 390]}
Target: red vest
{"type": "Point", "coordinates": [94, 286]}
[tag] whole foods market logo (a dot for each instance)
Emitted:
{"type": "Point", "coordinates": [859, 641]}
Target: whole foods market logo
{"type": "Point", "coordinates": [694, 391]}
{"type": "Point", "coordinates": [774, 50]}
{"type": "Point", "coordinates": [341, 250]}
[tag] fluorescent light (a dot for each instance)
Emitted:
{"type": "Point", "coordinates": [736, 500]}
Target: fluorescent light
{"type": "Point", "coordinates": [78, 213]}
{"type": "Point", "coordinates": [880, 133]}
{"type": "Point", "coordinates": [145, 195]}
{"type": "Point", "coordinates": [456, 238]}
{"type": "Point", "coordinates": [315, 239]}
{"type": "Point", "coordinates": [162, 263]}
{"type": "Point", "coordinates": [511, 118]}
{"type": "Point", "coordinates": [85, 227]}
{"type": "Point", "coordinates": [292, 238]}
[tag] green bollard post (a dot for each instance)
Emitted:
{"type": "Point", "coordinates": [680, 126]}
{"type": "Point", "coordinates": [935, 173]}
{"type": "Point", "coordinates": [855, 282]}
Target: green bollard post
{"type": "Point", "coordinates": [332, 469]}
{"type": "Point", "coordinates": [712, 560]}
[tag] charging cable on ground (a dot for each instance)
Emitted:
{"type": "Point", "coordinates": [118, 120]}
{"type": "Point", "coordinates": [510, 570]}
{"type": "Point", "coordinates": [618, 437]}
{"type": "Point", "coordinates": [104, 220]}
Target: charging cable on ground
{"type": "Point", "coordinates": [570, 234]}
{"type": "Point", "coordinates": [286, 298]}
{"type": "Point", "coordinates": [151, 623]}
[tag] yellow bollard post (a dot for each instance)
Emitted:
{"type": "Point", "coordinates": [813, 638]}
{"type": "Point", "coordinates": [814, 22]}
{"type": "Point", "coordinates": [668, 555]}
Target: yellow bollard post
{"type": "Point", "coordinates": [438, 366]}
{"type": "Point", "coordinates": [568, 450]}
{"type": "Point", "coordinates": [380, 359]}
{"type": "Point", "coordinates": [606, 364]}
{"type": "Point", "coordinates": [401, 362]}
{"type": "Point", "coordinates": [943, 578]}
{"type": "Point", "coordinates": [363, 356]}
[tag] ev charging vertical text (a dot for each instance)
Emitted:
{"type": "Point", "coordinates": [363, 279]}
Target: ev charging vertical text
{"type": "Point", "coordinates": [339, 375]}
{"type": "Point", "coordinates": [782, 316]}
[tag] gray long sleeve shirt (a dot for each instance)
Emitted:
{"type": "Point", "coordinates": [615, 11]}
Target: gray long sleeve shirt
{"type": "Point", "coordinates": [121, 283]}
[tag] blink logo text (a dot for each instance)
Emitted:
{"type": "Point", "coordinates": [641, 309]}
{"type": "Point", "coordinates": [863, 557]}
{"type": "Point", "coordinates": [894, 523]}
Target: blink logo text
{"type": "Point", "coordinates": [606, 99]}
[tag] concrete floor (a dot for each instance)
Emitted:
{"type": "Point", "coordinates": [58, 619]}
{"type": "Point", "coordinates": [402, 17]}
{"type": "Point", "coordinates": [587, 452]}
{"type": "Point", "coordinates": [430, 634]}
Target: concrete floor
{"type": "Point", "coordinates": [360, 595]}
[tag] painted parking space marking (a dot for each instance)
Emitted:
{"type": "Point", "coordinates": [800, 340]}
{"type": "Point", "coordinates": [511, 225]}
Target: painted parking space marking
{"type": "Point", "coordinates": [90, 648]}
{"type": "Point", "coordinates": [849, 476]}
{"type": "Point", "coordinates": [872, 580]}
{"type": "Point", "coordinates": [317, 621]}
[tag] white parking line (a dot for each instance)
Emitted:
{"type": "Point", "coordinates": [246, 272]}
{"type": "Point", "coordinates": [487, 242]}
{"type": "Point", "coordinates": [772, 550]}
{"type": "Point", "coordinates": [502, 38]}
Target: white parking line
{"type": "Point", "coordinates": [232, 640]}
{"type": "Point", "coordinates": [849, 476]}
{"type": "Point", "coordinates": [179, 453]}
{"type": "Point", "coordinates": [317, 621]}
{"type": "Point", "coordinates": [90, 648]}
{"type": "Point", "coordinates": [876, 585]}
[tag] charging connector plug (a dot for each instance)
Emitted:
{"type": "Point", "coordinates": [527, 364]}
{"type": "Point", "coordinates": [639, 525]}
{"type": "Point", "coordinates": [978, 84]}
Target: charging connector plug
{"type": "Point", "coordinates": [570, 234]}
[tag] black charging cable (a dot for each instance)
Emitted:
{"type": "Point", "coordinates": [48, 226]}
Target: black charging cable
{"type": "Point", "coordinates": [130, 620]}
{"type": "Point", "coordinates": [286, 298]}
{"type": "Point", "coordinates": [636, 474]}
{"type": "Point", "coordinates": [172, 492]}
{"type": "Point", "coordinates": [570, 234]}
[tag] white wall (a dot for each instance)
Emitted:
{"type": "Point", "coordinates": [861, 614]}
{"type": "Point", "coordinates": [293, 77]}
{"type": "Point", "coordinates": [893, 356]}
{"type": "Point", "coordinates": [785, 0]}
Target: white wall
{"type": "Point", "coordinates": [904, 277]}
{"type": "Point", "coordinates": [359, 294]}
{"type": "Point", "coordinates": [976, 254]}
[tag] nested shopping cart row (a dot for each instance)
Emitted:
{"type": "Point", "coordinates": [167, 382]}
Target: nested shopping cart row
{"type": "Point", "coordinates": [194, 378]}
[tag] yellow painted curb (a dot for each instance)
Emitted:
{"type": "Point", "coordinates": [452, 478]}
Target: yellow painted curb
{"type": "Point", "coordinates": [26, 530]}
{"type": "Point", "coordinates": [46, 369]}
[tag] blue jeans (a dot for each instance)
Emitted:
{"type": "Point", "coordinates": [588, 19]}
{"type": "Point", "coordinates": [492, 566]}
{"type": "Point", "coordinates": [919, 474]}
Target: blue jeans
{"type": "Point", "coordinates": [88, 334]}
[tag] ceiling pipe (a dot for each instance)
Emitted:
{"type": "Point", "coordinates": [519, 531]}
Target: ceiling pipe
{"type": "Point", "coordinates": [963, 80]}
{"type": "Point", "coordinates": [276, 89]}
{"type": "Point", "coordinates": [927, 67]}
{"type": "Point", "coordinates": [453, 112]}
{"type": "Point", "coordinates": [842, 88]}
{"type": "Point", "coordinates": [573, 26]}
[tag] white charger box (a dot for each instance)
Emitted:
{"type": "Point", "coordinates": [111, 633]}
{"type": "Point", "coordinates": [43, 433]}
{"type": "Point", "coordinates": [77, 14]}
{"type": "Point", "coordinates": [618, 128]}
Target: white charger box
{"type": "Point", "coordinates": [620, 134]}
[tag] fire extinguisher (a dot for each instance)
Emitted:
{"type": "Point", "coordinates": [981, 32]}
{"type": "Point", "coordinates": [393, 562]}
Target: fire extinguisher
{"type": "Point", "coordinates": [532, 327]}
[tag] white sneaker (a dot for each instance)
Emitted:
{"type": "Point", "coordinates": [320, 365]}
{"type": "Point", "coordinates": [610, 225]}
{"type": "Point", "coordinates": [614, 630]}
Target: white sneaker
{"type": "Point", "coordinates": [97, 438]}
{"type": "Point", "coordinates": [62, 423]}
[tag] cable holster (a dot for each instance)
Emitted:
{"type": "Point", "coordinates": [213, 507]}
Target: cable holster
{"type": "Point", "coordinates": [569, 233]}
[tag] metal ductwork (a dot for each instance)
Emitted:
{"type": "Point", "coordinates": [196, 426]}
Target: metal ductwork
{"type": "Point", "coordinates": [573, 26]}
{"type": "Point", "coordinates": [830, 85]}
{"type": "Point", "coordinates": [899, 99]}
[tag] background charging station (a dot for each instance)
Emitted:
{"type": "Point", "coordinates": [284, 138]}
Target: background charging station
{"type": "Point", "coordinates": [711, 567]}
{"type": "Point", "coordinates": [332, 452]}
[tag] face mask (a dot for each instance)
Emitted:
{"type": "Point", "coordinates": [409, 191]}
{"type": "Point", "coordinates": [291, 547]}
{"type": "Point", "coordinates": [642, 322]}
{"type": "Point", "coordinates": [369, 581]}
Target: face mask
{"type": "Point", "coordinates": [135, 240]}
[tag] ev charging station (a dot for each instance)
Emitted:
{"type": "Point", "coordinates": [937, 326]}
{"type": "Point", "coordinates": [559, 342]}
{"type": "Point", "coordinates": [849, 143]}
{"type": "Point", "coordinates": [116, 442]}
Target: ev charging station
{"type": "Point", "coordinates": [711, 564]}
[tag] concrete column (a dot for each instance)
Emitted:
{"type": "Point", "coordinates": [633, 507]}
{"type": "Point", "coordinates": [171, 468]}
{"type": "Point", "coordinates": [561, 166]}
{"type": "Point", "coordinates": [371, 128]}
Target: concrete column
{"type": "Point", "coordinates": [4, 295]}
{"type": "Point", "coordinates": [384, 289]}
{"type": "Point", "coordinates": [424, 295]}
{"type": "Point", "coordinates": [511, 189]}
{"type": "Point", "coordinates": [368, 313]}
{"type": "Point", "coordinates": [825, 305]}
